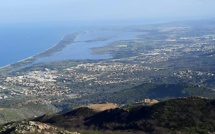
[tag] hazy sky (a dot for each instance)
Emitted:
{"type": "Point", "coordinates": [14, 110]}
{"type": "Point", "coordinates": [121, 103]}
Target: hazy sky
{"type": "Point", "coordinates": [13, 11]}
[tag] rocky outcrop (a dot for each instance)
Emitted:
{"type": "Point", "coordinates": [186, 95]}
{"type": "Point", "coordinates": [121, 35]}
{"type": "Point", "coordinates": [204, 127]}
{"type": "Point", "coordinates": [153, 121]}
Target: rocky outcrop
{"type": "Point", "coordinates": [32, 127]}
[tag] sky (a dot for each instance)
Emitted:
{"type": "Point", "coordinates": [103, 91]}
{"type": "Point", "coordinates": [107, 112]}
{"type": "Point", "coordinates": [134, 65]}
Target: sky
{"type": "Point", "coordinates": [32, 11]}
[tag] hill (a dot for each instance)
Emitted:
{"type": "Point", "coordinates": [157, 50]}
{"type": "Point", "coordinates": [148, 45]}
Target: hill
{"type": "Point", "coordinates": [149, 90]}
{"type": "Point", "coordinates": [181, 115]}
{"type": "Point", "coordinates": [23, 108]}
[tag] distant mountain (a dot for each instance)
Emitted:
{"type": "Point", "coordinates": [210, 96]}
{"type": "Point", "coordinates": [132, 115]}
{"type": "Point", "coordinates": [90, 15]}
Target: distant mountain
{"type": "Point", "coordinates": [181, 115]}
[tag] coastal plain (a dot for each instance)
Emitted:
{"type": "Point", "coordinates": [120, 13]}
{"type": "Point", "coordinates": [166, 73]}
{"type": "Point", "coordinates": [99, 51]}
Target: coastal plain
{"type": "Point", "coordinates": [173, 57]}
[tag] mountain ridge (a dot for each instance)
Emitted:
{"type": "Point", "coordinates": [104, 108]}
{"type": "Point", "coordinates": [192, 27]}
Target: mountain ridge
{"type": "Point", "coordinates": [181, 115]}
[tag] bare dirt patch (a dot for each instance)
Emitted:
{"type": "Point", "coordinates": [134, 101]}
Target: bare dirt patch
{"type": "Point", "coordinates": [102, 107]}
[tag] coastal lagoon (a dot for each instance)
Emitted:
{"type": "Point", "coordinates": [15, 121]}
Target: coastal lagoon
{"type": "Point", "coordinates": [21, 42]}
{"type": "Point", "coordinates": [81, 48]}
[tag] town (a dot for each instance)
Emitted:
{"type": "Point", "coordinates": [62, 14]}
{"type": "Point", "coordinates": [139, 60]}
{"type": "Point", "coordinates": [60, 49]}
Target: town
{"type": "Point", "coordinates": [142, 66]}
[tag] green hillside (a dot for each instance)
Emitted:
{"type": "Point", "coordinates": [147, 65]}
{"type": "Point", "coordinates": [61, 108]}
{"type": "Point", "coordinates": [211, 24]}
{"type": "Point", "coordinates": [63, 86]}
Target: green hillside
{"type": "Point", "coordinates": [152, 91]}
{"type": "Point", "coordinates": [182, 115]}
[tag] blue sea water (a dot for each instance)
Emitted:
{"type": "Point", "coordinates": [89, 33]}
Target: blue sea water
{"type": "Point", "coordinates": [18, 42]}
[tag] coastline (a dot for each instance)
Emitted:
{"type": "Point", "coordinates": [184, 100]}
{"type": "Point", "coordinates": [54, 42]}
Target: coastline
{"type": "Point", "coordinates": [64, 42]}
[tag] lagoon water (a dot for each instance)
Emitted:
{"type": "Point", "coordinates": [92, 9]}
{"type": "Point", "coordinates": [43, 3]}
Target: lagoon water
{"type": "Point", "coordinates": [81, 48]}
{"type": "Point", "coordinates": [20, 42]}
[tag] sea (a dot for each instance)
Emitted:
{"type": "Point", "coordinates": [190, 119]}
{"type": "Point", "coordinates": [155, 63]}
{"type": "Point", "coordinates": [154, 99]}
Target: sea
{"type": "Point", "coordinates": [18, 42]}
